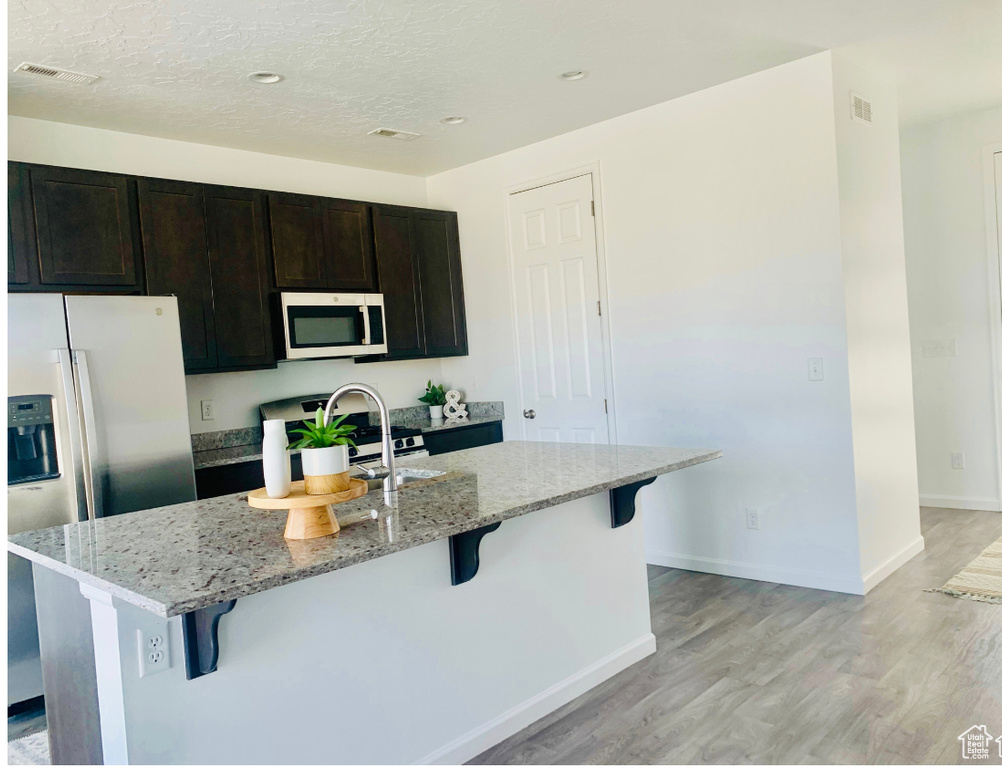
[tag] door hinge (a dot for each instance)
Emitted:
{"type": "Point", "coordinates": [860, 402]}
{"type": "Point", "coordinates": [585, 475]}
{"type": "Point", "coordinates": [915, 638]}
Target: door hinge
{"type": "Point", "coordinates": [592, 207]}
{"type": "Point", "coordinates": [606, 404]}
{"type": "Point", "coordinates": [599, 302]}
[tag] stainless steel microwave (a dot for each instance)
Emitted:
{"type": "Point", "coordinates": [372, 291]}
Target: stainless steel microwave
{"type": "Point", "coordinates": [333, 324]}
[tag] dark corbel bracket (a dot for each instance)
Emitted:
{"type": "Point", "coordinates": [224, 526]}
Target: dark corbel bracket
{"type": "Point", "coordinates": [623, 501]}
{"type": "Point", "coordinates": [201, 638]}
{"type": "Point", "coordinates": [464, 553]}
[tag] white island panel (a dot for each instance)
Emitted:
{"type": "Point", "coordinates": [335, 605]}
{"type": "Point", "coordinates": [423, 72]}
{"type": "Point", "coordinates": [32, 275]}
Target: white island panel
{"type": "Point", "coordinates": [388, 662]}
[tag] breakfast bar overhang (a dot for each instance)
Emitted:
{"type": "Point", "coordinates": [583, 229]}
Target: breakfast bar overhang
{"type": "Point", "coordinates": [486, 598]}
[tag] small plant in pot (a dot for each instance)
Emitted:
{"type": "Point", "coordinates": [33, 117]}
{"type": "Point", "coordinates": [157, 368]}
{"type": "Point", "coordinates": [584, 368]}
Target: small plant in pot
{"type": "Point", "coordinates": [325, 454]}
{"type": "Point", "coordinates": [434, 396]}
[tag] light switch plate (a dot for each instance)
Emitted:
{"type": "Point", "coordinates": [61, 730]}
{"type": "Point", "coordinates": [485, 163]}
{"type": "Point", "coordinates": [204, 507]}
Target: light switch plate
{"type": "Point", "coordinates": [815, 369]}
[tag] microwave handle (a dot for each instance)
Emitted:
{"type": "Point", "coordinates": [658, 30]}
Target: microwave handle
{"type": "Point", "coordinates": [365, 324]}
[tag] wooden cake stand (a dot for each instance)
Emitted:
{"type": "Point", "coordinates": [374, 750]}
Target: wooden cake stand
{"type": "Point", "coordinates": [310, 515]}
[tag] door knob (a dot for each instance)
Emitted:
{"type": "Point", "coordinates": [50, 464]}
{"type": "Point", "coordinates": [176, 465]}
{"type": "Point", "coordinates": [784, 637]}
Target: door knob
{"type": "Point", "coordinates": [529, 414]}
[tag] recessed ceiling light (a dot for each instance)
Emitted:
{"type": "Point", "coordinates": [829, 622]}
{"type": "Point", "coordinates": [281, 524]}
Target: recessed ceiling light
{"type": "Point", "coordinates": [265, 78]}
{"type": "Point", "coordinates": [574, 74]}
{"type": "Point", "coordinates": [453, 120]}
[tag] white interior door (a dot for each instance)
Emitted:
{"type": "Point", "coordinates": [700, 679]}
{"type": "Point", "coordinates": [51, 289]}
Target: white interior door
{"type": "Point", "coordinates": [555, 271]}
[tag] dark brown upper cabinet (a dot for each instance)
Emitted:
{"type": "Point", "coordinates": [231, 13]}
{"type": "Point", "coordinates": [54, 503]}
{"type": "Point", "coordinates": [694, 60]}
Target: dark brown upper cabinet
{"type": "Point", "coordinates": [441, 275]}
{"type": "Point", "coordinates": [239, 268]}
{"type": "Point", "coordinates": [297, 241]}
{"type": "Point", "coordinates": [321, 244]}
{"type": "Point", "coordinates": [84, 223]}
{"type": "Point", "coordinates": [20, 235]}
{"type": "Point", "coordinates": [224, 252]}
{"type": "Point", "coordinates": [396, 260]}
{"type": "Point", "coordinates": [175, 247]}
{"type": "Point", "coordinates": [417, 254]}
{"type": "Point", "coordinates": [351, 259]}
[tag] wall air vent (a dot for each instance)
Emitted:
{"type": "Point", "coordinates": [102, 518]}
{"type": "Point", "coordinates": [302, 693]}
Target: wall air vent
{"type": "Point", "coordinates": [56, 74]}
{"type": "Point", "coordinates": [389, 133]}
{"type": "Point", "coordinates": [860, 109]}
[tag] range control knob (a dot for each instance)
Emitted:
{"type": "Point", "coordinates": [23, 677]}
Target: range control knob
{"type": "Point", "coordinates": [352, 451]}
{"type": "Point", "coordinates": [398, 443]}
{"type": "Point", "coordinates": [410, 441]}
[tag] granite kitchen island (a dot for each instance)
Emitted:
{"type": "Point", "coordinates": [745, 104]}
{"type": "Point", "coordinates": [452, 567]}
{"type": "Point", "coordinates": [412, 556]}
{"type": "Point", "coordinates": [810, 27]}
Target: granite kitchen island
{"type": "Point", "coordinates": [488, 596]}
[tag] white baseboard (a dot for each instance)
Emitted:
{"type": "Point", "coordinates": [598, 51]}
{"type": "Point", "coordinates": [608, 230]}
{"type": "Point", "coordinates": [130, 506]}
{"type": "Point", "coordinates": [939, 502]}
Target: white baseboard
{"type": "Point", "coordinates": [494, 731]}
{"type": "Point", "coordinates": [832, 582]}
{"type": "Point", "coordinates": [973, 503]}
{"type": "Point", "coordinates": [889, 566]}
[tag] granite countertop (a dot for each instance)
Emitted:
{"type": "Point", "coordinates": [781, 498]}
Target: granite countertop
{"type": "Point", "coordinates": [176, 559]}
{"type": "Point", "coordinates": [217, 449]}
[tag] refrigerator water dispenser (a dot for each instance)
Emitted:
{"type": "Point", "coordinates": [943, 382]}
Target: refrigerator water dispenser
{"type": "Point", "coordinates": [31, 440]}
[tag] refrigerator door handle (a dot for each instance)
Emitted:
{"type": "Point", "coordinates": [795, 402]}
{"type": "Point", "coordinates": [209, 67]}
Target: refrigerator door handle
{"type": "Point", "coordinates": [90, 434]}
{"type": "Point", "coordinates": [73, 428]}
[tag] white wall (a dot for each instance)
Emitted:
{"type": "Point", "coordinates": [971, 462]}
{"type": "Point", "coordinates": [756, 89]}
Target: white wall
{"type": "Point", "coordinates": [722, 237]}
{"type": "Point", "coordinates": [237, 395]}
{"type": "Point", "coordinates": [946, 250]}
{"type": "Point", "coordinates": [876, 302]}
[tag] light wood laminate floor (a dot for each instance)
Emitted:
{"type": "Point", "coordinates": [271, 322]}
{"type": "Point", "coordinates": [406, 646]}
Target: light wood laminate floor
{"type": "Point", "coordinates": [754, 672]}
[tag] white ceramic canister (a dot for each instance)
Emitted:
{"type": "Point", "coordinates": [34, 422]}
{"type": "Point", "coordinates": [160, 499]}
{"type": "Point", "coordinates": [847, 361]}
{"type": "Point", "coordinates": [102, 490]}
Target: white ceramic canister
{"type": "Point", "coordinates": [277, 462]}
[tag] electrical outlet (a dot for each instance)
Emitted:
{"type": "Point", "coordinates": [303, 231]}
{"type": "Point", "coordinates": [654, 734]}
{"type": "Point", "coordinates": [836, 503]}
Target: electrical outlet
{"type": "Point", "coordinates": [815, 369]}
{"type": "Point", "coordinates": [957, 460]}
{"type": "Point", "coordinates": [752, 519]}
{"type": "Point", "coordinates": [208, 410]}
{"type": "Point", "coordinates": [154, 648]}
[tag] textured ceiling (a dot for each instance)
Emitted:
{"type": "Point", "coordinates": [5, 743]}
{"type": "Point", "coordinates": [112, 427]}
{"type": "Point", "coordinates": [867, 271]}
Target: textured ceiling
{"type": "Point", "coordinates": [178, 68]}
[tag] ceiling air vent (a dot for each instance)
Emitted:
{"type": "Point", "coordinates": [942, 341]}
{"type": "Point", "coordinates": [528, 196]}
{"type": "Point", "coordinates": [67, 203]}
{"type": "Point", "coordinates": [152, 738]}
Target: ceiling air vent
{"type": "Point", "coordinates": [56, 74]}
{"type": "Point", "coordinates": [389, 133]}
{"type": "Point", "coordinates": [860, 109]}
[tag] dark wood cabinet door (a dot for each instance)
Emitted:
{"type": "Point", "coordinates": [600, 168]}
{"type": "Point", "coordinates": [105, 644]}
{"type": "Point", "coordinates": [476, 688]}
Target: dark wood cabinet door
{"type": "Point", "coordinates": [84, 226]}
{"type": "Point", "coordinates": [443, 307]}
{"type": "Point", "coordinates": [351, 263]}
{"type": "Point", "coordinates": [297, 242]}
{"type": "Point", "coordinates": [238, 262]}
{"type": "Point", "coordinates": [393, 228]}
{"type": "Point", "coordinates": [461, 438]}
{"type": "Point", "coordinates": [172, 219]}
{"type": "Point", "coordinates": [20, 243]}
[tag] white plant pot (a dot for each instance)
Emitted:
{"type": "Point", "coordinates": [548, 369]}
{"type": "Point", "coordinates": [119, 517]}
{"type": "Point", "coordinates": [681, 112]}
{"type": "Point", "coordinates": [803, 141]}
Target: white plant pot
{"type": "Point", "coordinates": [435, 411]}
{"type": "Point", "coordinates": [326, 469]}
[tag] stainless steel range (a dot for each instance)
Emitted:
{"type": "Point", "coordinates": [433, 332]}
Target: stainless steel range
{"type": "Point", "coordinates": [406, 442]}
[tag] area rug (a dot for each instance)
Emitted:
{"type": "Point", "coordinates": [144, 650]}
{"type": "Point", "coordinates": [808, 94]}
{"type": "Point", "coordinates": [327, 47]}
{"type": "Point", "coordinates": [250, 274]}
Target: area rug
{"type": "Point", "coordinates": [981, 580]}
{"type": "Point", "coordinates": [29, 750]}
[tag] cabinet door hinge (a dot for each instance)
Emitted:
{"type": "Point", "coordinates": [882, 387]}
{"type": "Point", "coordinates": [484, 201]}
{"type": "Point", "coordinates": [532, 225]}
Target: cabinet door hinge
{"type": "Point", "coordinates": [592, 207]}
{"type": "Point", "coordinates": [606, 404]}
{"type": "Point", "coordinates": [599, 302]}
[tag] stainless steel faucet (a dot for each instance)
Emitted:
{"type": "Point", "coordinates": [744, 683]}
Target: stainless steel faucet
{"type": "Point", "coordinates": [390, 478]}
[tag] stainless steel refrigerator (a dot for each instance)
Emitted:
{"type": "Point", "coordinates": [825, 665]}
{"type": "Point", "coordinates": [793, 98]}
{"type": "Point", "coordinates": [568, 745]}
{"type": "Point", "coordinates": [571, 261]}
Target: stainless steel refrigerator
{"type": "Point", "coordinates": [97, 425]}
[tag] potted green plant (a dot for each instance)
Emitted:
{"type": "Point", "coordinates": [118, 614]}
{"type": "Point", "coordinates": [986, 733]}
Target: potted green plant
{"type": "Point", "coordinates": [325, 454]}
{"type": "Point", "coordinates": [434, 396]}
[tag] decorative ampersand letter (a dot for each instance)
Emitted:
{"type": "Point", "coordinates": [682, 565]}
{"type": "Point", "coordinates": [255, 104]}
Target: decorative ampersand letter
{"type": "Point", "coordinates": [453, 408]}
